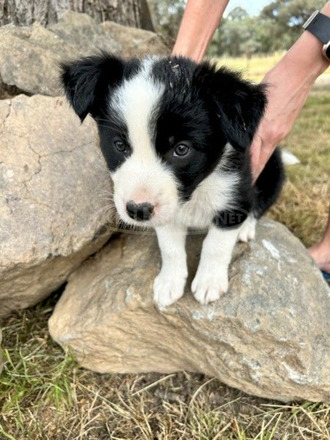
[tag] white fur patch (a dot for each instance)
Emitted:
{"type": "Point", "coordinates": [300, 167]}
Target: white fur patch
{"type": "Point", "coordinates": [288, 157]}
{"type": "Point", "coordinates": [211, 280]}
{"type": "Point", "coordinates": [248, 229]}
{"type": "Point", "coordinates": [142, 178]}
{"type": "Point", "coordinates": [212, 195]}
{"type": "Point", "coordinates": [135, 100]}
{"type": "Point", "coordinates": [170, 282]}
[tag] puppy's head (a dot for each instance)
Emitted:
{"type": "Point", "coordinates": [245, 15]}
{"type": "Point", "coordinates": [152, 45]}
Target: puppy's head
{"type": "Point", "coordinates": [163, 126]}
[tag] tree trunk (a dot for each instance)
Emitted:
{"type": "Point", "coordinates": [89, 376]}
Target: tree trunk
{"type": "Point", "coordinates": [26, 12]}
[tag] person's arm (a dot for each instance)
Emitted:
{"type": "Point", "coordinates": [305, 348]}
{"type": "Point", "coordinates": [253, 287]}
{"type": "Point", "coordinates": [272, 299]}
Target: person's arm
{"type": "Point", "coordinates": [289, 84]}
{"type": "Point", "coordinates": [199, 22]}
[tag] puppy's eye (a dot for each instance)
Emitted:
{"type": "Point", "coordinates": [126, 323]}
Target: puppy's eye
{"type": "Point", "coordinates": [182, 149]}
{"type": "Point", "coordinates": [121, 146]}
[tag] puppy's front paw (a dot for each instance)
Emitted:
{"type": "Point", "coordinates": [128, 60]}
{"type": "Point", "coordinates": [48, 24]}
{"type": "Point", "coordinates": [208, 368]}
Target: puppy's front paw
{"type": "Point", "coordinates": [168, 288]}
{"type": "Point", "coordinates": [209, 284]}
{"type": "Point", "coordinates": [248, 230]}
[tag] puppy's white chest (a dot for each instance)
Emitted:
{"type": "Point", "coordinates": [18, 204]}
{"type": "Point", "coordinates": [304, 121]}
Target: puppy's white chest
{"type": "Point", "coordinates": [214, 194]}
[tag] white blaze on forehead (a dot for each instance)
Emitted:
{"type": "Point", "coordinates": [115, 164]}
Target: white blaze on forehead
{"type": "Point", "coordinates": [135, 101]}
{"type": "Point", "coordinates": [142, 177]}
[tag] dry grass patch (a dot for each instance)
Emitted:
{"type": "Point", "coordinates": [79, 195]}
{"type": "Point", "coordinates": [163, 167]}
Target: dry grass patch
{"type": "Point", "coordinates": [45, 395]}
{"type": "Point", "coordinates": [256, 67]}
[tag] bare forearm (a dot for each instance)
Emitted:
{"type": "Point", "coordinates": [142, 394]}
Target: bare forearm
{"type": "Point", "coordinates": [199, 22]}
{"type": "Point", "coordinates": [307, 53]}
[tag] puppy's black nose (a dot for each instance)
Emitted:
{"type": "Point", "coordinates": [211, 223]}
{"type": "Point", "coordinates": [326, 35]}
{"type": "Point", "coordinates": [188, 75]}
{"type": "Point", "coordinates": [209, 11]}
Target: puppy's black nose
{"type": "Point", "coordinates": [140, 212]}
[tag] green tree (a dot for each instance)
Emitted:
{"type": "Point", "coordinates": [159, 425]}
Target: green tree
{"type": "Point", "coordinates": [236, 35]}
{"type": "Point", "coordinates": [167, 16]}
{"type": "Point", "coordinates": [284, 20]}
{"type": "Point", "coordinates": [277, 27]}
{"type": "Point", "coordinates": [237, 14]}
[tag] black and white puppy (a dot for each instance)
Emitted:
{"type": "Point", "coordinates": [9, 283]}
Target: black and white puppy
{"type": "Point", "coordinates": [176, 137]}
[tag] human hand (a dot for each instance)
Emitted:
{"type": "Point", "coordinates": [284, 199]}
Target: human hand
{"type": "Point", "coordinates": [288, 86]}
{"type": "Point", "coordinates": [286, 97]}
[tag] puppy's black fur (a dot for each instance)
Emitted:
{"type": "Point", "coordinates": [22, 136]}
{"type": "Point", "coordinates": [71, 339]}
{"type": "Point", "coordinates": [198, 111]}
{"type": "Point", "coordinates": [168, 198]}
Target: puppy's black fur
{"type": "Point", "coordinates": [206, 106]}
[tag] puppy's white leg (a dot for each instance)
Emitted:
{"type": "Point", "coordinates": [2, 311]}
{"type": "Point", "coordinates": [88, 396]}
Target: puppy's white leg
{"type": "Point", "coordinates": [211, 279]}
{"type": "Point", "coordinates": [170, 282]}
{"type": "Point", "coordinates": [248, 229]}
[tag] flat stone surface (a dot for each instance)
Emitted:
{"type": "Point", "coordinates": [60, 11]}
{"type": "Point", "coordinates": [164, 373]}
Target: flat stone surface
{"type": "Point", "coordinates": [52, 212]}
{"type": "Point", "coordinates": [268, 336]}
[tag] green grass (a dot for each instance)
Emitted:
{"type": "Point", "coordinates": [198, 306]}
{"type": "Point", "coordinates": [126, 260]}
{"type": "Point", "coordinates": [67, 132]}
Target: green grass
{"type": "Point", "coordinates": [45, 395]}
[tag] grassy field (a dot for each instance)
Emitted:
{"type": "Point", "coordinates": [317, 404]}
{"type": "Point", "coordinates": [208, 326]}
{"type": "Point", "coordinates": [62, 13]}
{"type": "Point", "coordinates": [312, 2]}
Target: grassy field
{"type": "Point", "coordinates": [256, 67]}
{"type": "Point", "coordinates": [45, 395]}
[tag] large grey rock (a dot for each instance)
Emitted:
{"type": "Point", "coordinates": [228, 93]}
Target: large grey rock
{"type": "Point", "coordinates": [27, 66]}
{"type": "Point", "coordinates": [30, 56]}
{"type": "Point", "coordinates": [268, 336]}
{"type": "Point", "coordinates": [52, 213]}
{"type": "Point", "coordinates": [84, 34]}
{"type": "Point", "coordinates": [136, 42]}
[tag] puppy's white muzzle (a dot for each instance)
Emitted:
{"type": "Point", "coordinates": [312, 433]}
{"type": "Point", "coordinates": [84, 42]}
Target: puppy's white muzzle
{"type": "Point", "coordinates": [145, 194]}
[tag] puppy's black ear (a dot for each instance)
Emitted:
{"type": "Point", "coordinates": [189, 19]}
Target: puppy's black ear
{"type": "Point", "coordinates": [88, 80]}
{"type": "Point", "coordinates": [239, 104]}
